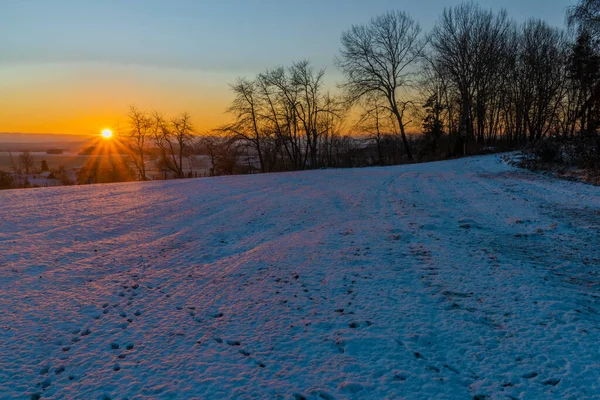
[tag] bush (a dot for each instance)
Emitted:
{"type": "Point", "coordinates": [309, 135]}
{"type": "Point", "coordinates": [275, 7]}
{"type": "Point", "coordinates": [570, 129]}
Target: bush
{"type": "Point", "coordinates": [582, 151]}
{"type": "Point", "coordinates": [545, 151]}
{"type": "Point", "coordinates": [6, 180]}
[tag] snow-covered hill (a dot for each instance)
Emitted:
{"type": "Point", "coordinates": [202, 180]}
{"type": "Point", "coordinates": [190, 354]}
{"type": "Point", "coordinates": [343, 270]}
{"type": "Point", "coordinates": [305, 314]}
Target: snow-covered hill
{"type": "Point", "coordinates": [445, 280]}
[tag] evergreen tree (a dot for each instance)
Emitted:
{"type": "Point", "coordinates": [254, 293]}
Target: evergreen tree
{"type": "Point", "coordinates": [433, 125]}
{"type": "Point", "coordinates": [584, 72]}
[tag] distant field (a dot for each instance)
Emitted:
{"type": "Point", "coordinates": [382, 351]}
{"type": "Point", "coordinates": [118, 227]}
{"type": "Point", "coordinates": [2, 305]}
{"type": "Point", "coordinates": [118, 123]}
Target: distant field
{"type": "Point", "coordinates": [67, 160]}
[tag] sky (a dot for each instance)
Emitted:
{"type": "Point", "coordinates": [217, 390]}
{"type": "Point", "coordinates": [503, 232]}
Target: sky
{"type": "Point", "coordinates": [75, 66]}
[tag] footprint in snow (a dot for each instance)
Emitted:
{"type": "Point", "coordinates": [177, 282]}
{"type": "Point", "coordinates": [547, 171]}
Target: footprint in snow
{"type": "Point", "coordinates": [323, 395]}
{"type": "Point", "coordinates": [233, 343]}
{"type": "Point", "coordinates": [450, 368]}
{"type": "Point", "coordinates": [351, 387]}
{"type": "Point", "coordinates": [400, 377]}
{"type": "Point", "coordinates": [551, 382]}
{"type": "Point", "coordinates": [340, 344]}
{"type": "Point", "coordinates": [45, 383]}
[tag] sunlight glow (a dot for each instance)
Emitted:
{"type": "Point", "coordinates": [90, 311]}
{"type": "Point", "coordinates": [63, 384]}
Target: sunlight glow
{"type": "Point", "coordinates": [107, 133]}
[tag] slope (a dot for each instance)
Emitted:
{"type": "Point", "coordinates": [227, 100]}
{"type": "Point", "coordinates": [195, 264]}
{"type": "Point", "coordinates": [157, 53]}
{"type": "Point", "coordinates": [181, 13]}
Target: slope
{"type": "Point", "coordinates": [445, 280]}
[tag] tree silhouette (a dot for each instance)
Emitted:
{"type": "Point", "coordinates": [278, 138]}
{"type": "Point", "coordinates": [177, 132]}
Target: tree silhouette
{"type": "Point", "coordinates": [376, 60]}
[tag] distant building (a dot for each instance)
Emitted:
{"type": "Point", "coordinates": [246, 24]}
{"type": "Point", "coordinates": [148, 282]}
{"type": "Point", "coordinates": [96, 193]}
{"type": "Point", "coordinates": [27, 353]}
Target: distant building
{"type": "Point", "coordinates": [47, 175]}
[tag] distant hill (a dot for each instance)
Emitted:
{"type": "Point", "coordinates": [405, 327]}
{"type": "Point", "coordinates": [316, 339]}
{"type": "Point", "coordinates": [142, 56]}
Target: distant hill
{"type": "Point", "coordinates": [41, 141]}
{"type": "Point", "coordinates": [16, 137]}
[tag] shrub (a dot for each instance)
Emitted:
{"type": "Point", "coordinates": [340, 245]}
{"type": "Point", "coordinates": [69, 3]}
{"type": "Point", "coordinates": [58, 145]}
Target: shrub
{"type": "Point", "coordinates": [581, 151]}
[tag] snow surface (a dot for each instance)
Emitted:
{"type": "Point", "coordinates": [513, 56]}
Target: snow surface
{"type": "Point", "coordinates": [446, 280]}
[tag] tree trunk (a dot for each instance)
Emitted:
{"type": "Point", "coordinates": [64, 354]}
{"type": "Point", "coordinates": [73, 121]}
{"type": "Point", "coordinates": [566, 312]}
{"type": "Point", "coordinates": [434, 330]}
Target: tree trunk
{"type": "Point", "coordinates": [402, 133]}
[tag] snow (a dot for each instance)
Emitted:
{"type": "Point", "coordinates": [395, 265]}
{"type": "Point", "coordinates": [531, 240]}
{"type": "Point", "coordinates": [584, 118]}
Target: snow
{"type": "Point", "coordinates": [445, 280]}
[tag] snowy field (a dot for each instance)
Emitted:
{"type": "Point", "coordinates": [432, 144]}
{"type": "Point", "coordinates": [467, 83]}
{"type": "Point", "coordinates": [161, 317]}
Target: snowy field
{"type": "Point", "coordinates": [454, 280]}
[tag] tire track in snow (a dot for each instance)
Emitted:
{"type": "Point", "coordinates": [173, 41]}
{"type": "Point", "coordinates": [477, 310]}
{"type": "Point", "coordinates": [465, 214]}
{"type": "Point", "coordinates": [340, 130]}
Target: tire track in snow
{"type": "Point", "coordinates": [485, 283]}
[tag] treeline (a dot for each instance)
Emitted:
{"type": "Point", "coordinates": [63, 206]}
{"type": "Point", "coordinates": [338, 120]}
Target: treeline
{"type": "Point", "coordinates": [172, 140]}
{"type": "Point", "coordinates": [478, 81]}
{"type": "Point", "coordinates": [490, 78]}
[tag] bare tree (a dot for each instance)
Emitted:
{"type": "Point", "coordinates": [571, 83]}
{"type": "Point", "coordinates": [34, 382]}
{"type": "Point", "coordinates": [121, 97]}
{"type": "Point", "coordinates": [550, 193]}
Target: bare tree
{"type": "Point", "coordinates": [218, 148]}
{"type": "Point", "coordinates": [6, 180]}
{"type": "Point", "coordinates": [542, 57]}
{"type": "Point", "coordinates": [173, 138]}
{"type": "Point", "coordinates": [299, 113]}
{"type": "Point", "coordinates": [308, 83]}
{"type": "Point", "coordinates": [140, 127]}
{"type": "Point", "coordinates": [14, 165]}
{"type": "Point", "coordinates": [330, 125]}
{"type": "Point", "coordinates": [246, 110]}
{"type": "Point", "coordinates": [284, 116]}
{"type": "Point", "coordinates": [376, 60]}
{"type": "Point", "coordinates": [471, 47]}
{"type": "Point", "coordinates": [26, 161]}
{"type": "Point", "coordinates": [280, 101]}
{"type": "Point", "coordinates": [183, 131]}
{"type": "Point", "coordinates": [374, 122]}
{"type": "Point", "coordinates": [586, 15]}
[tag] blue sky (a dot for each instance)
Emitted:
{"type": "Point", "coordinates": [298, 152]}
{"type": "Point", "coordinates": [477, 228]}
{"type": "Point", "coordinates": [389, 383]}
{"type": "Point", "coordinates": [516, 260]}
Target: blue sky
{"type": "Point", "coordinates": [213, 35]}
{"type": "Point", "coordinates": [160, 42]}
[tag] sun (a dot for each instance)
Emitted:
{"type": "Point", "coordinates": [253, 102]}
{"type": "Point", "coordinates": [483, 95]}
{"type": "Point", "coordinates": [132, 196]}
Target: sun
{"type": "Point", "coordinates": [107, 133]}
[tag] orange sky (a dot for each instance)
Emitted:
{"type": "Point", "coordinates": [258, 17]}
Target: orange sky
{"type": "Point", "coordinates": [83, 98]}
